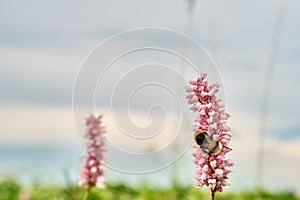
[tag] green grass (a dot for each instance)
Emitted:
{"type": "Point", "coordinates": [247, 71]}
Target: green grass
{"type": "Point", "coordinates": [10, 189]}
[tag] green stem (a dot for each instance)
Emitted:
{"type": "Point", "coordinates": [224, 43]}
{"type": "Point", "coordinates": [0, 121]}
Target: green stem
{"type": "Point", "coordinates": [213, 192]}
{"type": "Point", "coordinates": [87, 193]}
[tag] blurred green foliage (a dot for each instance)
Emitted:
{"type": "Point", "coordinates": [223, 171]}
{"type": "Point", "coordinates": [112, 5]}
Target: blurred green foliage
{"type": "Point", "coordinates": [44, 192]}
{"type": "Point", "coordinates": [11, 190]}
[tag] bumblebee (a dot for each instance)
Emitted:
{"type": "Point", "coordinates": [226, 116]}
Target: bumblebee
{"type": "Point", "coordinates": [208, 144]}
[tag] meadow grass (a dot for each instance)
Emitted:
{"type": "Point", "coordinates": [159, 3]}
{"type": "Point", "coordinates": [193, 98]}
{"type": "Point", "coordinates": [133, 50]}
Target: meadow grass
{"type": "Point", "coordinates": [10, 189]}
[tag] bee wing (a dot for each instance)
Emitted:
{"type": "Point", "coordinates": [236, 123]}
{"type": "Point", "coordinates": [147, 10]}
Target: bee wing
{"type": "Point", "coordinates": [208, 144]}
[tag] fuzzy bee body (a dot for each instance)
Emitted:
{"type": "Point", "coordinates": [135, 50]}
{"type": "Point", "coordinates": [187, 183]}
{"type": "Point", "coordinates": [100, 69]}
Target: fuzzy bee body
{"type": "Point", "coordinates": [208, 144]}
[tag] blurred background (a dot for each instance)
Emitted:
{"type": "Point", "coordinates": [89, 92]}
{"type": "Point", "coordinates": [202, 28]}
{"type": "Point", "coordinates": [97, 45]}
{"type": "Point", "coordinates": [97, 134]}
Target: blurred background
{"type": "Point", "coordinates": [254, 44]}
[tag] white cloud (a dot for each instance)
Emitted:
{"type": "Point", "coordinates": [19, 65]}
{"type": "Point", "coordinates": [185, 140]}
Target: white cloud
{"type": "Point", "coordinates": [34, 125]}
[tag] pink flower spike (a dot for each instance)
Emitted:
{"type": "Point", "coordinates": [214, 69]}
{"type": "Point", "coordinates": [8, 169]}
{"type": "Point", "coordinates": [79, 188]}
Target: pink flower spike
{"type": "Point", "coordinates": [189, 89]}
{"type": "Point", "coordinates": [192, 82]}
{"type": "Point", "coordinates": [212, 183]}
{"type": "Point", "coordinates": [203, 75]}
{"type": "Point", "coordinates": [91, 172]}
{"type": "Point", "coordinates": [212, 166]}
{"type": "Point", "coordinates": [219, 172]}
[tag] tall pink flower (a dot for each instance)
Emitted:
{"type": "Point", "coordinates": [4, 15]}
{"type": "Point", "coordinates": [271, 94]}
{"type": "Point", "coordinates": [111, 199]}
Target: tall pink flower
{"type": "Point", "coordinates": [91, 173]}
{"type": "Point", "coordinates": [212, 145]}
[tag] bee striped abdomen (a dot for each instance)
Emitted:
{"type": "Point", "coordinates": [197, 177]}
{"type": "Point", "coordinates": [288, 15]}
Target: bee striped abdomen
{"type": "Point", "coordinates": [217, 148]}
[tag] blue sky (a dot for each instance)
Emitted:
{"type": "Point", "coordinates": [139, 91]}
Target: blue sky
{"type": "Point", "coordinates": [43, 44]}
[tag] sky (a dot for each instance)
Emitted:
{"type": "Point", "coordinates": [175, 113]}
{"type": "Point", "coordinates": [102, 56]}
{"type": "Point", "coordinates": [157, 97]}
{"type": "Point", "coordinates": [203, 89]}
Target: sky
{"type": "Point", "coordinates": [44, 44]}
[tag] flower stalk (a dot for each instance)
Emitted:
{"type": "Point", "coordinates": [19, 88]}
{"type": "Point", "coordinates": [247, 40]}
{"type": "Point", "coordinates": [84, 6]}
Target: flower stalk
{"type": "Point", "coordinates": [87, 193]}
{"type": "Point", "coordinates": [213, 192]}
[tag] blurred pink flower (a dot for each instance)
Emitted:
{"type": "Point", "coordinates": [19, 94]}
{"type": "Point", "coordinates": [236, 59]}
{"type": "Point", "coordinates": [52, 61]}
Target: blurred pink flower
{"type": "Point", "coordinates": [91, 172]}
{"type": "Point", "coordinates": [212, 169]}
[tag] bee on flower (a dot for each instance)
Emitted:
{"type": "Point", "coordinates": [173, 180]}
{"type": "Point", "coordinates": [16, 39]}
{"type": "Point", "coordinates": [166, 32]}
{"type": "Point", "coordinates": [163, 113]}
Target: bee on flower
{"type": "Point", "coordinates": [212, 135]}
